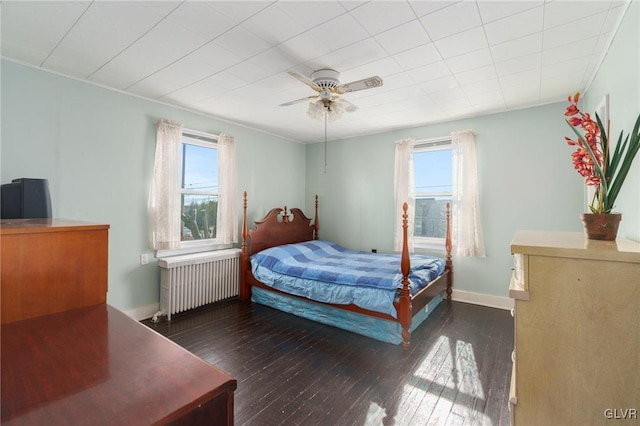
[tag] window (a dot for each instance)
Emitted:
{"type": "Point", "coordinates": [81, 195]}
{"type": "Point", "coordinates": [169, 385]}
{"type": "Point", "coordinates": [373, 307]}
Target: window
{"type": "Point", "coordinates": [192, 202]}
{"type": "Point", "coordinates": [433, 190]}
{"type": "Point", "coordinates": [198, 188]}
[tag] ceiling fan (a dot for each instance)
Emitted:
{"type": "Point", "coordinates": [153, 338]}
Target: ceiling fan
{"type": "Point", "coordinates": [329, 102]}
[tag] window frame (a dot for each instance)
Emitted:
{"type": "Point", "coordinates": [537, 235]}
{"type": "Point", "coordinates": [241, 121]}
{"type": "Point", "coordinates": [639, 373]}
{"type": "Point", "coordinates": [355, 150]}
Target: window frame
{"type": "Point", "coordinates": [438, 144]}
{"type": "Point", "coordinates": [205, 140]}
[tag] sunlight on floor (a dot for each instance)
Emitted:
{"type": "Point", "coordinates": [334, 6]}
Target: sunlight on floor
{"type": "Point", "coordinates": [445, 387]}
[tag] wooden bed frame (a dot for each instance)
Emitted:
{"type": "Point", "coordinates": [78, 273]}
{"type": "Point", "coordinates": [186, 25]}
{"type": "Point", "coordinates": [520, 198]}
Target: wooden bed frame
{"type": "Point", "coordinates": [271, 232]}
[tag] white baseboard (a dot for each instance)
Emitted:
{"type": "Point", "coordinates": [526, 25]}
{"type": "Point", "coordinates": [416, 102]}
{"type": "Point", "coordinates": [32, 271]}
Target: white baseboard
{"type": "Point", "coordinates": [143, 312]}
{"type": "Point", "coordinates": [488, 300]}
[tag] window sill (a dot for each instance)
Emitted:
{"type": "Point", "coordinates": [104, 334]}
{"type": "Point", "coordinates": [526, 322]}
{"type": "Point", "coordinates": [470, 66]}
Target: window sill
{"type": "Point", "coordinates": [429, 244]}
{"type": "Point", "coordinates": [193, 247]}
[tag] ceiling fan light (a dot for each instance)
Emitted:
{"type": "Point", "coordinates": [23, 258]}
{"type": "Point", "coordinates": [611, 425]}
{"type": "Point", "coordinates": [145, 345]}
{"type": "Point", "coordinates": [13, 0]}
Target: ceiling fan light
{"type": "Point", "coordinates": [317, 110]}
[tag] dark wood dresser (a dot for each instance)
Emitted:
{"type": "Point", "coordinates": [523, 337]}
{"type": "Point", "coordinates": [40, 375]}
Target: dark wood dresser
{"type": "Point", "coordinates": [82, 361]}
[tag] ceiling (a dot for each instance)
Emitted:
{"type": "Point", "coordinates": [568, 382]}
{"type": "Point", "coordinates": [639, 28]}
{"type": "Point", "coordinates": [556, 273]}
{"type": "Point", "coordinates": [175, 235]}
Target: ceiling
{"type": "Point", "coordinates": [440, 60]}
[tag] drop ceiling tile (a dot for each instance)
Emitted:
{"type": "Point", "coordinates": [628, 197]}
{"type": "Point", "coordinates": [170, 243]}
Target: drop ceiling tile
{"type": "Point", "coordinates": [476, 75]}
{"type": "Point", "coordinates": [418, 56]}
{"type": "Point", "coordinates": [274, 60]}
{"type": "Point", "coordinates": [249, 71]}
{"type": "Point", "coordinates": [403, 37]}
{"type": "Point", "coordinates": [564, 68]}
{"type": "Point", "coordinates": [349, 57]}
{"type": "Point", "coordinates": [454, 19]}
{"type": "Point", "coordinates": [207, 88]}
{"type": "Point", "coordinates": [603, 42]}
{"type": "Point", "coordinates": [493, 10]}
{"type": "Point", "coordinates": [377, 17]}
{"type": "Point", "coordinates": [565, 12]}
{"type": "Point", "coordinates": [523, 63]}
{"type": "Point", "coordinates": [340, 32]}
{"type": "Point", "coordinates": [523, 97]}
{"type": "Point", "coordinates": [242, 42]}
{"type": "Point", "coordinates": [162, 83]}
{"type": "Point", "coordinates": [525, 77]}
{"type": "Point", "coordinates": [461, 43]}
{"type": "Point", "coordinates": [38, 26]}
{"type": "Point", "coordinates": [85, 48]}
{"type": "Point", "coordinates": [578, 30]}
{"type": "Point", "coordinates": [273, 25]}
{"type": "Point", "coordinates": [518, 47]}
{"type": "Point", "coordinates": [201, 18]}
{"type": "Point", "coordinates": [481, 87]}
{"type": "Point", "coordinates": [160, 47]}
{"type": "Point", "coordinates": [447, 95]}
{"type": "Point", "coordinates": [309, 14]}
{"type": "Point", "coordinates": [350, 5]}
{"type": "Point", "coordinates": [613, 19]}
{"type": "Point", "coordinates": [238, 11]}
{"type": "Point", "coordinates": [430, 72]}
{"type": "Point", "coordinates": [437, 84]}
{"type": "Point", "coordinates": [515, 26]}
{"type": "Point", "coordinates": [469, 61]}
{"type": "Point", "coordinates": [558, 87]}
{"type": "Point", "coordinates": [304, 47]}
{"type": "Point", "coordinates": [422, 7]}
{"type": "Point", "coordinates": [381, 68]}
{"type": "Point", "coordinates": [569, 51]}
{"type": "Point", "coordinates": [493, 98]}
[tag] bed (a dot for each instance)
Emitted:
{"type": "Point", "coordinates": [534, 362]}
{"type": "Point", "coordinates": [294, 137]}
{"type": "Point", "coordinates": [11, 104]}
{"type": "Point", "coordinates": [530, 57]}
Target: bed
{"type": "Point", "coordinates": [284, 264]}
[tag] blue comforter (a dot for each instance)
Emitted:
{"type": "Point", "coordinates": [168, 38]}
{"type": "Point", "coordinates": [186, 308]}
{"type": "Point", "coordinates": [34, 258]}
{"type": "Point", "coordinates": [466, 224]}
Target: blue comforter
{"type": "Point", "coordinates": [326, 272]}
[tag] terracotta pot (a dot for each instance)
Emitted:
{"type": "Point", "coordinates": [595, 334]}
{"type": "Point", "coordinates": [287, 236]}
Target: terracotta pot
{"type": "Point", "coordinates": [601, 226]}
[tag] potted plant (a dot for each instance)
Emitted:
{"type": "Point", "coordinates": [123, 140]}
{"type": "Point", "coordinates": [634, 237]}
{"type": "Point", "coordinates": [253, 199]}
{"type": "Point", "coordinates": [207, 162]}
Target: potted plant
{"type": "Point", "coordinates": [601, 168]}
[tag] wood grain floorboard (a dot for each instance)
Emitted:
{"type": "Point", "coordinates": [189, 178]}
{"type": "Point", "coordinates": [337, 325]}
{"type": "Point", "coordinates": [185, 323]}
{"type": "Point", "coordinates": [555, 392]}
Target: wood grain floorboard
{"type": "Point", "coordinates": [293, 371]}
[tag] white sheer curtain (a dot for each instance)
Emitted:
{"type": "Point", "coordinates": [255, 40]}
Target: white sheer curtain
{"type": "Point", "coordinates": [466, 230]}
{"type": "Point", "coordinates": [164, 198]}
{"type": "Point", "coordinates": [404, 191]}
{"type": "Point", "coordinates": [227, 231]}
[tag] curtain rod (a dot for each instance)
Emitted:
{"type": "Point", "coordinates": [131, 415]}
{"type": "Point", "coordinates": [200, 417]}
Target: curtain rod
{"type": "Point", "coordinates": [208, 137]}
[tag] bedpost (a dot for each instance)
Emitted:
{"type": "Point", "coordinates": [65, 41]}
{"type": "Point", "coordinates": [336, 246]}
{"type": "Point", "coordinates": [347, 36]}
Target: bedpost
{"type": "Point", "coordinates": [316, 224]}
{"type": "Point", "coordinates": [404, 308]}
{"type": "Point", "coordinates": [245, 289]}
{"type": "Point", "coordinates": [447, 245]}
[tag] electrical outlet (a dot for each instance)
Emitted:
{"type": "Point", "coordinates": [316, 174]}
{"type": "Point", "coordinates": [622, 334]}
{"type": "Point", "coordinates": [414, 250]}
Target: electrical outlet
{"type": "Point", "coordinates": [144, 259]}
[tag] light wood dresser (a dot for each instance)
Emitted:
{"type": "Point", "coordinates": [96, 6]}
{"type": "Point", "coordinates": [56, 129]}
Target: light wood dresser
{"type": "Point", "coordinates": [577, 330]}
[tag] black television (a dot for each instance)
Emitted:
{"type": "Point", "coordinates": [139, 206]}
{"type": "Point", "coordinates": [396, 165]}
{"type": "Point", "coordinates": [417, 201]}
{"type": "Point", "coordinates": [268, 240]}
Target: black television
{"type": "Point", "coordinates": [25, 198]}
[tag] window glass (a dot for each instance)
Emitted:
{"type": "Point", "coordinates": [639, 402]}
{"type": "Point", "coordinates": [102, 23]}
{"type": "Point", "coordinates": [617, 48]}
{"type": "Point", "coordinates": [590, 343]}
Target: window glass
{"type": "Point", "coordinates": [199, 190]}
{"type": "Point", "coordinates": [433, 185]}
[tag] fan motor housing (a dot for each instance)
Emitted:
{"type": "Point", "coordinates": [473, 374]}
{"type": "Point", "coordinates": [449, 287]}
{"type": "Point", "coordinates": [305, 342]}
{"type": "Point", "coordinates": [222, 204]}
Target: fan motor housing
{"type": "Point", "coordinates": [326, 78]}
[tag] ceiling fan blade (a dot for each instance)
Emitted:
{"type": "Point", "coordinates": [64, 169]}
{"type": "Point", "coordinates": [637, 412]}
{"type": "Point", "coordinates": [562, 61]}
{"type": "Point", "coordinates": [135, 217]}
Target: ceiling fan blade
{"type": "Point", "coordinates": [348, 106]}
{"type": "Point", "coordinates": [305, 80]}
{"type": "Point", "coordinates": [354, 86]}
{"type": "Point", "coordinates": [297, 101]}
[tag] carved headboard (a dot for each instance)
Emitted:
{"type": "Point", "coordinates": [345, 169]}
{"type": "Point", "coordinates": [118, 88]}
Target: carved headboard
{"type": "Point", "coordinates": [278, 227]}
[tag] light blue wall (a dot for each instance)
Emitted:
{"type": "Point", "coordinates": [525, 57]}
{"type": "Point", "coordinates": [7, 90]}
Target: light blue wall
{"type": "Point", "coordinates": [619, 76]}
{"type": "Point", "coordinates": [96, 147]}
{"type": "Point", "coordinates": [526, 182]}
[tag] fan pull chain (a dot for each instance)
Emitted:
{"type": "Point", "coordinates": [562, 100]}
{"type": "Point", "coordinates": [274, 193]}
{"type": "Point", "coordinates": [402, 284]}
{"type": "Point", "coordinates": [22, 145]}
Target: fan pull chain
{"type": "Point", "coordinates": [325, 141]}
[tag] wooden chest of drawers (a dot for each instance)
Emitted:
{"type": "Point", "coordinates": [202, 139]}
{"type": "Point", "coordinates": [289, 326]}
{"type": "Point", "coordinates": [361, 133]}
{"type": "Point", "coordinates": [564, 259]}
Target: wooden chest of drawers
{"type": "Point", "coordinates": [577, 328]}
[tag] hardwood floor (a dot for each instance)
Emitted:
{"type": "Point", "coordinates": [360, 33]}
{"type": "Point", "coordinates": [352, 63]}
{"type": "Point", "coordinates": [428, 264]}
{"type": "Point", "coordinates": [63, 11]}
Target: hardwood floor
{"type": "Point", "coordinates": [294, 371]}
